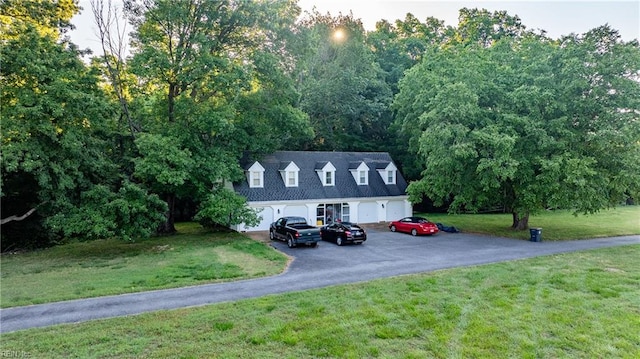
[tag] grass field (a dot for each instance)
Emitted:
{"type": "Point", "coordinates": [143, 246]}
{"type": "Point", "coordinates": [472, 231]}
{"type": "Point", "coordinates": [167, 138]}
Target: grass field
{"type": "Point", "coordinates": [556, 225]}
{"type": "Point", "coordinates": [576, 305]}
{"type": "Point", "coordinates": [104, 267]}
{"type": "Point", "coordinates": [90, 269]}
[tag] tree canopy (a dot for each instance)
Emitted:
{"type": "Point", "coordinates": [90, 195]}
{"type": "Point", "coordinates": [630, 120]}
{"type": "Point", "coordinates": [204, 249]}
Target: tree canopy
{"type": "Point", "coordinates": [55, 138]}
{"type": "Point", "coordinates": [486, 114]}
{"type": "Point", "coordinates": [341, 86]}
{"type": "Point", "coordinates": [218, 91]}
{"type": "Point", "coordinates": [526, 124]}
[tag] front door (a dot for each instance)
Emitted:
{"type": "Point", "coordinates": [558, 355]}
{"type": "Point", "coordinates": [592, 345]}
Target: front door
{"type": "Point", "coordinates": [327, 213]}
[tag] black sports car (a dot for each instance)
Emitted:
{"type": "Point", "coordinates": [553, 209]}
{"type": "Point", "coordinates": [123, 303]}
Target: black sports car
{"type": "Point", "coordinates": [343, 232]}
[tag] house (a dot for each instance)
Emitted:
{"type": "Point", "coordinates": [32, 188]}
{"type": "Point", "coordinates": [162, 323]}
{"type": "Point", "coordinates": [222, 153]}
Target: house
{"type": "Point", "coordinates": [361, 187]}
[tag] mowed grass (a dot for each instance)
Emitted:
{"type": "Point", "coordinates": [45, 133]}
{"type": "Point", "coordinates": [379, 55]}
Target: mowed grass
{"type": "Point", "coordinates": [194, 256]}
{"type": "Point", "coordinates": [577, 305]}
{"type": "Point", "coordinates": [106, 267]}
{"type": "Point", "coordinates": [556, 225]}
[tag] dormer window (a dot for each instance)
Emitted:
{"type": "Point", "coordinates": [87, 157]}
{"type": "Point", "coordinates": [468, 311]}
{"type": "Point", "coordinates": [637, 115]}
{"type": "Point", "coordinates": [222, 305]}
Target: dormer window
{"type": "Point", "coordinates": [256, 179]}
{"type": "Point", "coordinates": [292, 181]}
{"type": "Point", "coordinates": [255, 175]}
{"type": "Point", "coordinates": [388, 173]}
{"type": "Point", "coordinates": [362, 177]}
{"type": "Point", "coordinates": [326, 172]}
{"type": "Point", "coordinates": [289, 172]}
{"type": "Point", "coordinates": [360, 173]}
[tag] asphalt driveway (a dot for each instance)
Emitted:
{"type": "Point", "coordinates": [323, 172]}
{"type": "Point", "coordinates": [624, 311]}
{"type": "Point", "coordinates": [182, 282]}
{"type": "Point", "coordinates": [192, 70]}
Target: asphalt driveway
{"type": "Point", "coordinates": [384, 254]}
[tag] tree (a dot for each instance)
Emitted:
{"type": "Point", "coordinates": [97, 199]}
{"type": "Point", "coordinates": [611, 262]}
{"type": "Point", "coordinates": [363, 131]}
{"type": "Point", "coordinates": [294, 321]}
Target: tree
{"type": "Point", "coordinates": [398, 47]}
{"type": "Point", "coordinates": [526, 124]}
{"type": "Point", "coordinates": [46, 17]}
{"type": "Point", "coordinates": [216, 91]}
{"type": "Point", "coordinates": [483, 28]}
{"type": "Point", "coordinates": [55, 132]}
{"type": "Point", "coordinates": [112, 36]}
{"type": "Point", "coordinates": [225, 208]}
{"type": "Point", "coordinates": [341, 86]}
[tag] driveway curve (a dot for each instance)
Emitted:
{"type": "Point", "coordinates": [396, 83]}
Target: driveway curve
{"type": "Point", "coordinates": [384, 254]}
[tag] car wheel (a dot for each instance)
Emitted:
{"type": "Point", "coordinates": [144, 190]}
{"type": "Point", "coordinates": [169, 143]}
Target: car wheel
{"type": "Point", "coordinates": [271, 236]}
{"type": "Point", "coordinates": [393, 228]}
{"type": "Point", "coordinates": [339, 241]}
{"type": "Point", "coordinates": [290, 242]}
{"type": "Point", "coordinates": [414, 232]}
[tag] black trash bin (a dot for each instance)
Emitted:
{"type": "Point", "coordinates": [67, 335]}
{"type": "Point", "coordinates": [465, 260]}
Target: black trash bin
{"type": "Point", "coordinates": [536, 234]}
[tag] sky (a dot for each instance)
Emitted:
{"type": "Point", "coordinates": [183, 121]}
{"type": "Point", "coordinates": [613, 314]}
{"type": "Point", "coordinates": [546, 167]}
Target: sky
{"type": "Point", "coordinates": [557, 18]}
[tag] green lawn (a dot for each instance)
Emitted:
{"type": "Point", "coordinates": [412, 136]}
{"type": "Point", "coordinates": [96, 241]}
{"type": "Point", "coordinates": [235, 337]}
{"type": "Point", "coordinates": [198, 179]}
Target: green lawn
{"type": "Point", "coordinates": [105, 267]}
{"type": "Point", "coordinates": [556, 225]}
{"type": "Point", "coordinates": [576, 305]}
{"type": "Point", "coordinates": [95, 268]}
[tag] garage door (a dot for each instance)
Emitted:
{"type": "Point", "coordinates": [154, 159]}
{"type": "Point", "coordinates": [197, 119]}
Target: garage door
{"type": "Point", "coordinates": [368, 212]}
{"type": "Point", "coordinates": [395, 210]}
{"type": "Point", "coordinates": [267, 218]}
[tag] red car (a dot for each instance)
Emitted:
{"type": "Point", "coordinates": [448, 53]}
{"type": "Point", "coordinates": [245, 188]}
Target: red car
{"type": "Point", "coordinates": [414, 225]}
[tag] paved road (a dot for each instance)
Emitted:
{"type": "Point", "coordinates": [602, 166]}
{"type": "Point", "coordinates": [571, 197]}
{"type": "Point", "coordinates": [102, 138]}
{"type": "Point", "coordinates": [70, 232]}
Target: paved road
{"type": "Point", "coordinates": [385, 254]}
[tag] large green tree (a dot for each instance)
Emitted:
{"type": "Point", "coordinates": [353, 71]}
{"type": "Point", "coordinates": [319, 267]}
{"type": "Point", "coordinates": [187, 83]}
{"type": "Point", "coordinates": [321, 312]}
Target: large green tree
{"type": "Point", "coordinates": [397, 47]}
{"type": "Point", "coordinates": [526, 123]}
{"type": "Point", "coordinates": [341, 86]}
{"type": "Point", "coordinates": [214, 72]}
{"type": "Point", "coordinates": [57, 174]}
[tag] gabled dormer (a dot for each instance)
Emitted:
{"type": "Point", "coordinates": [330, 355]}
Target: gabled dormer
{"type": "Point", "coordinates": [360, 173]}
{"type": "Point", "coordinates": [255, 175]}
{"type": "Point", "coordinates": [289, 172]}
{"type": "Point", "coordinates": [388, 173]}
{"type": "Point", "coordinates": [327, 173]}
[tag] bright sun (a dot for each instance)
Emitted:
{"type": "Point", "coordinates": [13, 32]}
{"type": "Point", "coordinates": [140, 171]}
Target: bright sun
{"type": "Point", "coordinates": [338, 34]}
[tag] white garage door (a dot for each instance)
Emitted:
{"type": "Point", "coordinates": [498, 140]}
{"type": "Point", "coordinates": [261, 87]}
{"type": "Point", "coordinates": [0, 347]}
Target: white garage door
{"type": "Point", "coordinates": [395, 210]}
{"type": "Point", "coordinates": [368, 212]}
{"type": "Point", "coordinates": [267, 218]}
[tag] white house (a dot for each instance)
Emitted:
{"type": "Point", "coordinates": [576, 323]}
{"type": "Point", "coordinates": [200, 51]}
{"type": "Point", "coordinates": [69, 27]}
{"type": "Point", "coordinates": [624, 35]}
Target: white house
{"type": "Point", "coordinates": [361, 187]}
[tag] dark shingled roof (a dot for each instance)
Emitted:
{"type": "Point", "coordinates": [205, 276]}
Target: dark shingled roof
{"type": "Point", "coordinates": [309, 185]}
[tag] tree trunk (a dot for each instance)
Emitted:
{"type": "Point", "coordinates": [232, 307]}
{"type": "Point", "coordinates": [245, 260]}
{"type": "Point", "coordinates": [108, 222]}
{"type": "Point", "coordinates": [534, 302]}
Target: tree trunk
{"type": "Point", "coordinates": [171, 99]}
{"type": "Point", "coordinates": [168, 226]}
{"type": "Point", "coordinates": [520, 221]}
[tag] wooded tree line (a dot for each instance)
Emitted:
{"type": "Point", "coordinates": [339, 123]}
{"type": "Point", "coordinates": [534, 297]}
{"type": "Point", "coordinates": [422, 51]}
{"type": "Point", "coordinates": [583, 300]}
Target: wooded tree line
{"type": "Point", "coordinates": [485, 114]}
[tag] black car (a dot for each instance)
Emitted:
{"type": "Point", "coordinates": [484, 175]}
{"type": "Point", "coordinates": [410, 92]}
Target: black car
{"type": "Point", "coordinates": [343, 232]}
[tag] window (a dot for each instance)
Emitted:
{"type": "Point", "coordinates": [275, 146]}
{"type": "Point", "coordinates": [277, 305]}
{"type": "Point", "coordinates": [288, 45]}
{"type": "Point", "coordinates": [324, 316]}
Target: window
{"type": "Point", "coordinates": [326, 173]}
{"type": "Point", "coordinates": [256, 179]}
{"type": "Point", "coordinates": [346, 217]}
{"type": "Point", "coordinates": [360, 173]}
{"type": "Point", "coordinates": [289, 172]}
{"type": "Point", "coordinates": [388, 173]}
{"type": "Point", "coordinates": [291, 178]}
{"type": "Point", "coordinates": [255, 175]}
{"type": "Point", "coordinates": [320, 220]}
